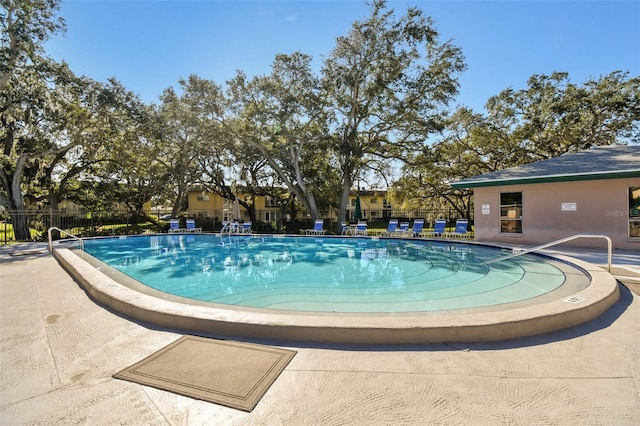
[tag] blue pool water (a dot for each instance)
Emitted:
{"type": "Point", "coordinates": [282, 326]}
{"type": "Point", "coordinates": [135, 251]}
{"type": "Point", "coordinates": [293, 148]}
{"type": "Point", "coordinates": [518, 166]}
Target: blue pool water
{"type": "Point", "coordinates": [329, 274]}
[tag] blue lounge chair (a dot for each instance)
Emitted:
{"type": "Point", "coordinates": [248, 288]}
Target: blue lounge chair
{"type": "Point", "coordinates": [361, 229]}
{"type": "Point", "coordinates": [403, 229]}
{"type": "Point", "coordinates": [318, 228]}
{"type": "Point", "coordinates": [418, 224]}
{"type": "Point", "coordinates": [392, 227]}
{"type": "Point", "coordinates": [174, 226]}
{"type": "Point", "coordinates": [346, 229]}
{"type": "Point", "coordinates": [438, 228]}
{"type": "Point", "coordinates": [461, 229]}
{"type": "Point", "coordinates": [246, 227]}
{"type": "Point", "coordinates": [230, 227]}
{"type": "Point", "coordinates": [191, 226]}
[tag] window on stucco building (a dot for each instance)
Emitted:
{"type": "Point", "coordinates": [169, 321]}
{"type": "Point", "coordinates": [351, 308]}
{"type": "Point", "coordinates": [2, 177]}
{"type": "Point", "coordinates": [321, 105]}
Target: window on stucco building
{"type": "Point", "coordinates": [270, 216]}
{"type": "Point", "coordinates": [634, 212]}
{"type": "Point", "coordinates": [511, 212]}
{"type": "Point", "coordinates": [270, 201]}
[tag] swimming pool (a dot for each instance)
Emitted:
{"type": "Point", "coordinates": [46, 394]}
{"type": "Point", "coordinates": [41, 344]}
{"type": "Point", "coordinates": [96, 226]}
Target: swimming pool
{"type": "Point", "coordinates": [569, 291]}
{"type": "Point", "coordinates": [330, 274]}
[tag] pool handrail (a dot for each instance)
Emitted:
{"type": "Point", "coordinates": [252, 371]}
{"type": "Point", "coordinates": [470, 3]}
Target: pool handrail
{"type": "Point", "coordinates": [519, 252]}
{"type": "Point", "coordinates": [62, 231]}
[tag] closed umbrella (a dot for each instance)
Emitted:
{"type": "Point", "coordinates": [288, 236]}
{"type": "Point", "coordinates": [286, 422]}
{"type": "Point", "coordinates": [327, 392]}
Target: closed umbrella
{"type": "Point", "coordinates": [358, 212]}
{"type": "Point", "coordinates": [236, 209]}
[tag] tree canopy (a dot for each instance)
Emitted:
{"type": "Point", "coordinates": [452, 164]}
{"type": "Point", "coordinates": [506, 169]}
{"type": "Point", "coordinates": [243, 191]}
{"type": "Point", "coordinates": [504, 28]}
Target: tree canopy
{"type": "Point", "coordinates": [551, 117]}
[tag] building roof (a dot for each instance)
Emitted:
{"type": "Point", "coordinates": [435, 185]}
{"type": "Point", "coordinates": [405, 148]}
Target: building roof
{"type": "Point", "coordinates": [604, 162]}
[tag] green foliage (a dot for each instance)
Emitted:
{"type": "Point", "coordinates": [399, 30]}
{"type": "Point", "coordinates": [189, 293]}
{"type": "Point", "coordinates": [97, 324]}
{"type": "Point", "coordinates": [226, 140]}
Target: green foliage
{"type": "Point", "coordinates": [387, 84]}
{"type": "Point", "coordinates": [187, 136]}
{"type": "Point", "coordinates": [549, 118]}
{"type": "Point", "coordinates": [26, 25]}
{"type": "Point", "coordinates": [278, 118]}
{"type": "Point", "coordinates": [554, 116]}
{"type": "Point", "coordinates": [28, 109]}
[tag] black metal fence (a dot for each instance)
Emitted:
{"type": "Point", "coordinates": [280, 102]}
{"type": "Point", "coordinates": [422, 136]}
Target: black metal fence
{"type": "Point", "coordinates": [82, 223]}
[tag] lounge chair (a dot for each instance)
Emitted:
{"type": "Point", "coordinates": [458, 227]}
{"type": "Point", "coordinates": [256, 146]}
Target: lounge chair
{"type": "Point", "coordinates": [392, 227]}
{"type": "Point", "coordinates": [361, 229]}
{"type": "Point", "coordinates": [418, 224]}
{"type": "Point", "coordinates": [174, 226]}
{"type": "Point", "coordinates": [229, 227]}
{"type": "Point", "coordinates": [460, 231]}
{"type": "Point", "coordinates": [346, 229]}
{"type": "Point", "coordinates": [318, 228]}
{"type": "Point", "coordinates": [438, 228]}
{"type": "Point", "coordinates": [246, 227]}
{"type": "Point", "coordinates": [403, 229]}
{"type": "Point", "coordinates": [191, 226]}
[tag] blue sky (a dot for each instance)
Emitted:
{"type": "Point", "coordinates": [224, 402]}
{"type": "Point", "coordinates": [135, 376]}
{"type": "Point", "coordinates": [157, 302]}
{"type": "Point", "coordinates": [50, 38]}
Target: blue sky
{"type": "Point", "coordinates": [149, 45]}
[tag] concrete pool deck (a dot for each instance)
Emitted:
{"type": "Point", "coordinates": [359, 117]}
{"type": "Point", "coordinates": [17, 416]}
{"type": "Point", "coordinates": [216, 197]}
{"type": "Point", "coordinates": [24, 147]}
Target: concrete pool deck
{"type": "Point", "coordinates": [59, 349]}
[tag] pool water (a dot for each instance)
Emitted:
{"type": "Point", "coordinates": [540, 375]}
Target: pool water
{"type": "Point", "coordinates": [330, 274]}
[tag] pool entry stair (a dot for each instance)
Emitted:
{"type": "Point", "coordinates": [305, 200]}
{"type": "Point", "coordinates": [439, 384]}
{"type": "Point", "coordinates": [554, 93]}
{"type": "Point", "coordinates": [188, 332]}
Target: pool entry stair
{"type": "Point", "coordinates": [519, 252]}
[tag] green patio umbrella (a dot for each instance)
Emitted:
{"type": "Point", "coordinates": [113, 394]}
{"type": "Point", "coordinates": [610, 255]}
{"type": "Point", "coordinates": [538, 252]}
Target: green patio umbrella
{"type": "Point", "coordinates": [358, 212]}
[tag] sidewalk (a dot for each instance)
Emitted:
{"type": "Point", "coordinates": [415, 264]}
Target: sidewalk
{"type": "Point", "coordinates": [59, 349]}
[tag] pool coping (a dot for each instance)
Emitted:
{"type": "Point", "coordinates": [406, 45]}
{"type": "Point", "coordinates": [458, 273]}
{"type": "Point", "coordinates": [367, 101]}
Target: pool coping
{"type": "Point", "coordinates": [402, 328]}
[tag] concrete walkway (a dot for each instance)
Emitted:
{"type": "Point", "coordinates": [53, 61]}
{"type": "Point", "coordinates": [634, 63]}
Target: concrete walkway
{"type": "Point", "coordinates": [59, 349]}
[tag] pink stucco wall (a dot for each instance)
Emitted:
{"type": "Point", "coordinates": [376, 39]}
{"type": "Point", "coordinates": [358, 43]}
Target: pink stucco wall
{"type": "Point", "coordinates": [601, 208]}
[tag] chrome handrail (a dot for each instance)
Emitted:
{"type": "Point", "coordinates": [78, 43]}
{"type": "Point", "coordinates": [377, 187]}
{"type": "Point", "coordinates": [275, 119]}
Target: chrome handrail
{"type": "Point", "coordinates": [519, 252]}
{"type": "Point", "coordinates": [62, 231]}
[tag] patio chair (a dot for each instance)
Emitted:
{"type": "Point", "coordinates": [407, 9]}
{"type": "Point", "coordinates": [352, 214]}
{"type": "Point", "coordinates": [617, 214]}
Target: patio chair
{"type": "Point", "coordinates": [392, 227]}
{"type": "Point", "coordinates": [191, 226]}
{"type": "Point", "coordinates": [318, 228]}
{"type": "Point", "coordinates": [174, 226]}
{"type": "Point", "coordinates": [418, 224]}
{"type": "Point", "coordinates": [438, 228]}
{"type": "Point", "coordinates": [460, 231]}
{"type": "Point", "coordinates": [346, 229]}
{"type": "Point", "coordinates": [403, 229]}
{"type": "Point", "coordinates": [361, 229]}
{"type": "Point", "coordinates": [246, 227]}
{"type": "Point", "coordinates": [230, 227]}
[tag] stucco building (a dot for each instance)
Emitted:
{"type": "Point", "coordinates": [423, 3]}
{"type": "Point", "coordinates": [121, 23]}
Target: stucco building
{"type": "Point", "coordinates": [202, 203]}
{"type": "Point", "coordinates": [595, 191]}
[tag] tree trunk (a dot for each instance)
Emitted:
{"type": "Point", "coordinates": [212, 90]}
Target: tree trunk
{"type": "Point", "coordinates": [55, 209]}
{"type": "Point", "coordinates": [344, 200]}
{"type": "Point", "coordinates": [19, 218]}
{"type": "Point", "coordinates": [20, 227]}
{"type": "Point", "coordinates": [55, 214]}
{"type": "Point", "coordinates": [298, 188]}
{"type": "Point", "coordinates": [177, 203]}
